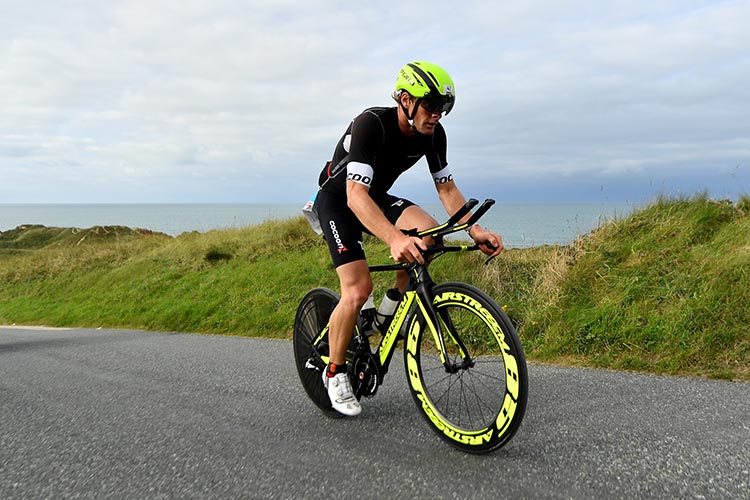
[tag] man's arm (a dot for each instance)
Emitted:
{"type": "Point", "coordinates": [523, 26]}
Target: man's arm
{"type": "Point", "coordinates": [452, 199]}
{"type": "Point", "coordinates": [403, 248]}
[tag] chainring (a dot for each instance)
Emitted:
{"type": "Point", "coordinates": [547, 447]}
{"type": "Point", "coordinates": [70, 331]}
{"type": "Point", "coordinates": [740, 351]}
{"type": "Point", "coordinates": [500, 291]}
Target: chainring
{"type": "Point", "coordinates": [366, 374]}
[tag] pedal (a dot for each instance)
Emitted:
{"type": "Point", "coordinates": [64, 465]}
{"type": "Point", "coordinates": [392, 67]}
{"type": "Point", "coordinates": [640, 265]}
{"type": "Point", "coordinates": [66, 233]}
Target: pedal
{"type": "Point", "coordinates": [309, 365]}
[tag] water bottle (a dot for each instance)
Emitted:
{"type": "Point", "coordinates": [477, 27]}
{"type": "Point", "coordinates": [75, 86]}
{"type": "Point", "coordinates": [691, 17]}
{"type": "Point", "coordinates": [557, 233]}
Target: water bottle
{"type": "Point", "coordinates": [387, 308]}
{"type": "Point", "coordinates": [311, 214]}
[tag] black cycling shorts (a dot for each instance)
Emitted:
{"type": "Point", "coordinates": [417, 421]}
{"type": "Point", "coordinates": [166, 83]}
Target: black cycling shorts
{"type": "Point", "coordinates": [343, 230]}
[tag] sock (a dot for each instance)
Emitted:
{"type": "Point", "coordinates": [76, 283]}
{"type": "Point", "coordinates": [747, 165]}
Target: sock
{"type": "Point", "coordinates": [334, 369]}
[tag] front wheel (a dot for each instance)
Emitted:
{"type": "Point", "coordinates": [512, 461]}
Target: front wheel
{"type": "Point", "coordinates": [473, 394]}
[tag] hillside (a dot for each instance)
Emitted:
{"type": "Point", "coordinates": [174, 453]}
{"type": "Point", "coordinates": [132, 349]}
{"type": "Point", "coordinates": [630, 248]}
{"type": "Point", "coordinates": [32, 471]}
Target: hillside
{"type": "Point", "coordinates": [664, 290]}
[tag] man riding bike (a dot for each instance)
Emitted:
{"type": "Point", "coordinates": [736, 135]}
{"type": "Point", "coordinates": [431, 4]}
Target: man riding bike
{"type": "Point", "coordinates": [378, 146]}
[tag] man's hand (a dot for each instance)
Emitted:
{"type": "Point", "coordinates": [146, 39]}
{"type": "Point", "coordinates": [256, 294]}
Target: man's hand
{"type": "Point", "coordinates": [489, 243]}
{"type": "Point", "coordinates": [406, 249]}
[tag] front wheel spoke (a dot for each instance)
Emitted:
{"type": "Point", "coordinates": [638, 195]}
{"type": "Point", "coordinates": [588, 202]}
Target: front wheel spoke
{"type": "Point", "coordinates": [474, 406]}
{"type": "Point", "coordinates": [464, 400]}
{"type": "Point", "coordinates": [481, 402]}
{"type": "Point", "coordinates": [446, 388]}
{"type": "Point", "coordinates": [487, 380]}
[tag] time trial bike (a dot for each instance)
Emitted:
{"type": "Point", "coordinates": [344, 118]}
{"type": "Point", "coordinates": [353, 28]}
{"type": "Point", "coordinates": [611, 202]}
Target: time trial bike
{"type": "Point", "coordinates": [464, 362]}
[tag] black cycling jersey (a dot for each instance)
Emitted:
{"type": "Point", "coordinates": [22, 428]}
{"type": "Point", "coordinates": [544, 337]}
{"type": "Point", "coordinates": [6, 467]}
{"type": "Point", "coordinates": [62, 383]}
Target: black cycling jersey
{"type": "Point", "coordinates": [374, 152]}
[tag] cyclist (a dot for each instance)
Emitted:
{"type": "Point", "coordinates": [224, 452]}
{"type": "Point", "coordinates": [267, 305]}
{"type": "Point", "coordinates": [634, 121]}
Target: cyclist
{"type": "Point", "coordinates": [377, 147]}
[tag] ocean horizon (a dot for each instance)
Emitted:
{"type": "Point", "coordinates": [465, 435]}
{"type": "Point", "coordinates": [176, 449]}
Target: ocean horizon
{"type": "Point", "coordinates": [520, 224]}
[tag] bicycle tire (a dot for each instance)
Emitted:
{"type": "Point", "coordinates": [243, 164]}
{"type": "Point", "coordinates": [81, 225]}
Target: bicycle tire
{"type": "Point", "coordinates": [477, 409]}
{"type": "Point", "coordinates": [312, 317]}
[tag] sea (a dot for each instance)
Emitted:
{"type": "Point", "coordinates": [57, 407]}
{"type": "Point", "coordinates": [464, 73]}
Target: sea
{"type": "Point", "coordinates": [520, 224]}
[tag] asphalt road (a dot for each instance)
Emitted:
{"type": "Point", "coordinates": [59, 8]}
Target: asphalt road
{"type": "Point", "coordinates": [130, 414]}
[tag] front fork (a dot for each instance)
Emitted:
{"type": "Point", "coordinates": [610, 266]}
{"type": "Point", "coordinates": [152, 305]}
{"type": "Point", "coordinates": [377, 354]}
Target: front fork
{"type": "Point", "coordinates": [440, 325]}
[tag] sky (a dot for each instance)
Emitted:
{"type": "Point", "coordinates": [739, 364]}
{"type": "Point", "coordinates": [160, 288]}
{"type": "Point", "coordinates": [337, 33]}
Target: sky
{"type": "Point", "coordinates": [193, 101]}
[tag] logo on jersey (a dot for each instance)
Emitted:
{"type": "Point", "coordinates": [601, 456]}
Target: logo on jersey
{"type": "Point", "coordinates": [359, 178]}
{"type": "Point", "coordinates": [444, 176]}
{"type": "Point", "coordinates": [443, 179]}
{"type": "Point", "coordinates": [336, 237]}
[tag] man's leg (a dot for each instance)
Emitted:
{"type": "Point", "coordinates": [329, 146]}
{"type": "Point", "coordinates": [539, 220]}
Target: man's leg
{"type": "Point", "coordinates": [356, 286]}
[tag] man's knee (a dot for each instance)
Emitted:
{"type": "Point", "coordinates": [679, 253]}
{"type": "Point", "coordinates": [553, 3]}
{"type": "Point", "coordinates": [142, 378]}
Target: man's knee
{"type": "Point", "coordinates": [416, 216]}
{"type": "Point", "coordinates": [356, 294]}
{"type": "Point", "coordinates": [356, 283]}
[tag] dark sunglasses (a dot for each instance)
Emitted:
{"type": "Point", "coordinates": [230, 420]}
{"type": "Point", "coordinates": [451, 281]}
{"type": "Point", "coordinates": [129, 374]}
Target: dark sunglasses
{"type": "Point", "coordinates": [437, 105]}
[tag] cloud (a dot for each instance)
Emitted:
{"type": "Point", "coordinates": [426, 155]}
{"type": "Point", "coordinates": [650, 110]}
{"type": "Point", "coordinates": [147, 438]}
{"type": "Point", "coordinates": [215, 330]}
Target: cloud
{"type": "Point", "coordinates": [628, 94]}
{"type": "Point", "coordinates": [202, 101]}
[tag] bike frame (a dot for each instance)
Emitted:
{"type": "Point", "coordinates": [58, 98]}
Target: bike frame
{"type": "Point", "coordinates": [418, 296]}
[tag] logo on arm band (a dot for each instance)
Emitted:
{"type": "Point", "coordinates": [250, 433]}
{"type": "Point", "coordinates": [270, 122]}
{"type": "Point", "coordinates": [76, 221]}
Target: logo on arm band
{"type": "Point", "coordinates": [443, 176]}
{"type": "Point", "coordinates": [361, 173]}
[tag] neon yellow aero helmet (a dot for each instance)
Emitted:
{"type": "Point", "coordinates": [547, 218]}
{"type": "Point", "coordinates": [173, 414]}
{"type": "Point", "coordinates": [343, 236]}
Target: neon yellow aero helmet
{"type": "Point", "coordinates": [429, 83]}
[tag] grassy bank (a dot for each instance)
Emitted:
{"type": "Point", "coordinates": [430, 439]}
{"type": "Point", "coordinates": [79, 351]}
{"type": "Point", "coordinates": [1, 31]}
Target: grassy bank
{"type": "Point", "coordinates": [664, 290]}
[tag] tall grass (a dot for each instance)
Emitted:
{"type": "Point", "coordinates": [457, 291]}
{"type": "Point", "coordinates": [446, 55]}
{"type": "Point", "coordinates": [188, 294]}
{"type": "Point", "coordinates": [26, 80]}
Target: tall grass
{"type": "Point", "coordinates": [664, 290]}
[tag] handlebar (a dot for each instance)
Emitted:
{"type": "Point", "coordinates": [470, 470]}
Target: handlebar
{"type": "Point", "coordinates": [450, 226]}
{"type": "Point", "coordinates": [461, 212]}
{"type": "Point", "coordinates": [441, 249]}
{"type": "Point", "coordinates": [435, 251]}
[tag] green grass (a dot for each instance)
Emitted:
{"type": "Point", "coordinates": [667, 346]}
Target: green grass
{"type": "Point", "coordinates": [664, 290]}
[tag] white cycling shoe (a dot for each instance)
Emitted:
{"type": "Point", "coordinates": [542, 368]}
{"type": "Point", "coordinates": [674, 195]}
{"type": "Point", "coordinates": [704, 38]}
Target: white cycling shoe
{"type": "Point", "coordinates": [341, 394]}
